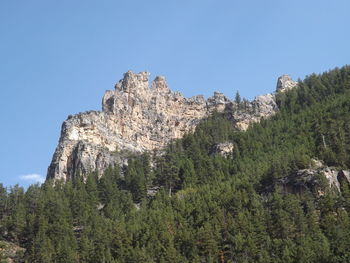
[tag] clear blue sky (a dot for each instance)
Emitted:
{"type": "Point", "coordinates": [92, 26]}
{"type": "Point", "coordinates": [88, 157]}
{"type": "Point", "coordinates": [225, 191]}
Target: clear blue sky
{"type": "Point", "coordinates": [58, 57]}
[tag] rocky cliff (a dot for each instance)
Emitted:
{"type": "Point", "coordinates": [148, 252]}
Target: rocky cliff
{"type": "Point", "coordinates": [315, 178]}
{"type": "Point", "coordinates": [136, 117]}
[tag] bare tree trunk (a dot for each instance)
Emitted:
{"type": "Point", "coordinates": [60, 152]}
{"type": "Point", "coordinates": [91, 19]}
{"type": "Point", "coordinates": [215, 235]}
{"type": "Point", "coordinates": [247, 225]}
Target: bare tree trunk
{"type": "Point", "coordinates": [170, 191]}
{"type": "Point", "coordinates": [324, 141]}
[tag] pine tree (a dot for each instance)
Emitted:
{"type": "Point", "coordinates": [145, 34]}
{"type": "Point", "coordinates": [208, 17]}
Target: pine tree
{"type": "Point", "coordinates": [238, 99]}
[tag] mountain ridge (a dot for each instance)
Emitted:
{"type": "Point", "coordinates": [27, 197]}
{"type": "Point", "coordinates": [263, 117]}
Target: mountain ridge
{"type": "Point", "coordinates": [138, 117]}
{"type": "Point", "coordinates": [277, 192]}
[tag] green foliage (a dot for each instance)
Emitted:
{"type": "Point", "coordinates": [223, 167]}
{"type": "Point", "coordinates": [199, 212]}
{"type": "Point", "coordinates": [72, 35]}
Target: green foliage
{"type": "Point", "coordinates": [209, 208]}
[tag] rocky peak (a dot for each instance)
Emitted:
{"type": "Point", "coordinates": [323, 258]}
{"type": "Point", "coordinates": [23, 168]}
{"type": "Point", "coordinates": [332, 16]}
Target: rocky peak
{"type": "Point", "coordinates": [135, 118]}
{"type": "Point", "coordinates": [285, 83]}
{"type": "Point", "coordinates": [131, 83]}
{"type": "Point", "coordinates": [159, 85]}
{"type": "Point", "coordinates": [218, 102]}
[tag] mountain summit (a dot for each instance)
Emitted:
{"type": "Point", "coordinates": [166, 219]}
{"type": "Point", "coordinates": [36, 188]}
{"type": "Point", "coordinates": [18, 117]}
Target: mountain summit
{"type": "Point", "coordinates": [277, 192]}
{"type": "Point", "coordinates": [138, 117]}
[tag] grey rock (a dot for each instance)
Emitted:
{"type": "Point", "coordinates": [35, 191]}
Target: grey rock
{"type": "Point", "coordinates": [311, 179]}
{"type": "Point", "coordinates": [138, 117]}
{"type": "Point", "coordinates": [151, 192]}
{"type": "Point", "coordinates": [224, 149]}
{"type": "Point", "coordinates": [285, 83]}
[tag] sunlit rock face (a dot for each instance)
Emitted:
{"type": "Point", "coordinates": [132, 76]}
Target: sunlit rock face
{"type": "Point", "coordinates": [138, 117]}
{"type": "Point", "coordinates": [285, 83]}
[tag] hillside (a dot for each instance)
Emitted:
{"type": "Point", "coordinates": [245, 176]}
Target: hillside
{"type": "Point", "coordinates": [137, 117]}
{"type": "Point", "coordinates": [276, 192]}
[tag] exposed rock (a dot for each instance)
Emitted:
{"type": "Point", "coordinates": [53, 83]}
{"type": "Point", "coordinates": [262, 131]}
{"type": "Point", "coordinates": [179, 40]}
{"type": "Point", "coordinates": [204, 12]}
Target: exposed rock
{"type": "Point", "coordinates": [315, 163]}
{"type": "Point", "coordinates": [224, 149]}
{"type": "Point", "coordinates": [10, 252]}
{"type": "Point", "coordinates": [86, 145]}
{"type": "Point", "coordinates": [314, 179]}
{"type": "Point", "coordinates": [151, 192]}
{"type": "Point", "coordinates": [136, 118]}
{"type": "Point", "coordinates": [285, 83]}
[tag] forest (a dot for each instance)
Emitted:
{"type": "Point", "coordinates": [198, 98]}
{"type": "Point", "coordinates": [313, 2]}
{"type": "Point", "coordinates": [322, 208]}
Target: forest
{"type": "Point", "coordinates": [189, 203]}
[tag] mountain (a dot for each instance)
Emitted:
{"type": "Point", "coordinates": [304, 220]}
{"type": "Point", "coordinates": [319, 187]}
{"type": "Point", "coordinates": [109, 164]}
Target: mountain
{"type": "Point", "coordinates": [278, 191]}
{"type": "Point", "coordinates": [137, 118]}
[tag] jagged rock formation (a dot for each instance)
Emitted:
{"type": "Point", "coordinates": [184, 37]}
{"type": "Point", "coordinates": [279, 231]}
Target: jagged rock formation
{"type": "Point", "coordinates": [314, 179]}
{"type": "Point", "coordinates": [136, 117]}
{"type": "Point", "coordinates": [285, 83]}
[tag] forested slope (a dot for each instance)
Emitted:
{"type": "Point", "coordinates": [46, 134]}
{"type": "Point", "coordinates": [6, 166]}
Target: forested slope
{"type": "Point", "coordinates": [202, 206]}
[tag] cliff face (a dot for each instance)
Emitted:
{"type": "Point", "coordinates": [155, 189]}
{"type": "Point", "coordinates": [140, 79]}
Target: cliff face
{"type": "Point", "coordinates": [313, 179]}
{"type": "Point", "coordinates": [136, 118]}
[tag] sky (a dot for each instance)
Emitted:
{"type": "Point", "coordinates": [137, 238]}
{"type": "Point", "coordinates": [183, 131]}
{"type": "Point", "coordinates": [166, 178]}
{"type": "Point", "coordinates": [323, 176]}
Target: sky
{"type": "Point", "coordinates": [58, 57]}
